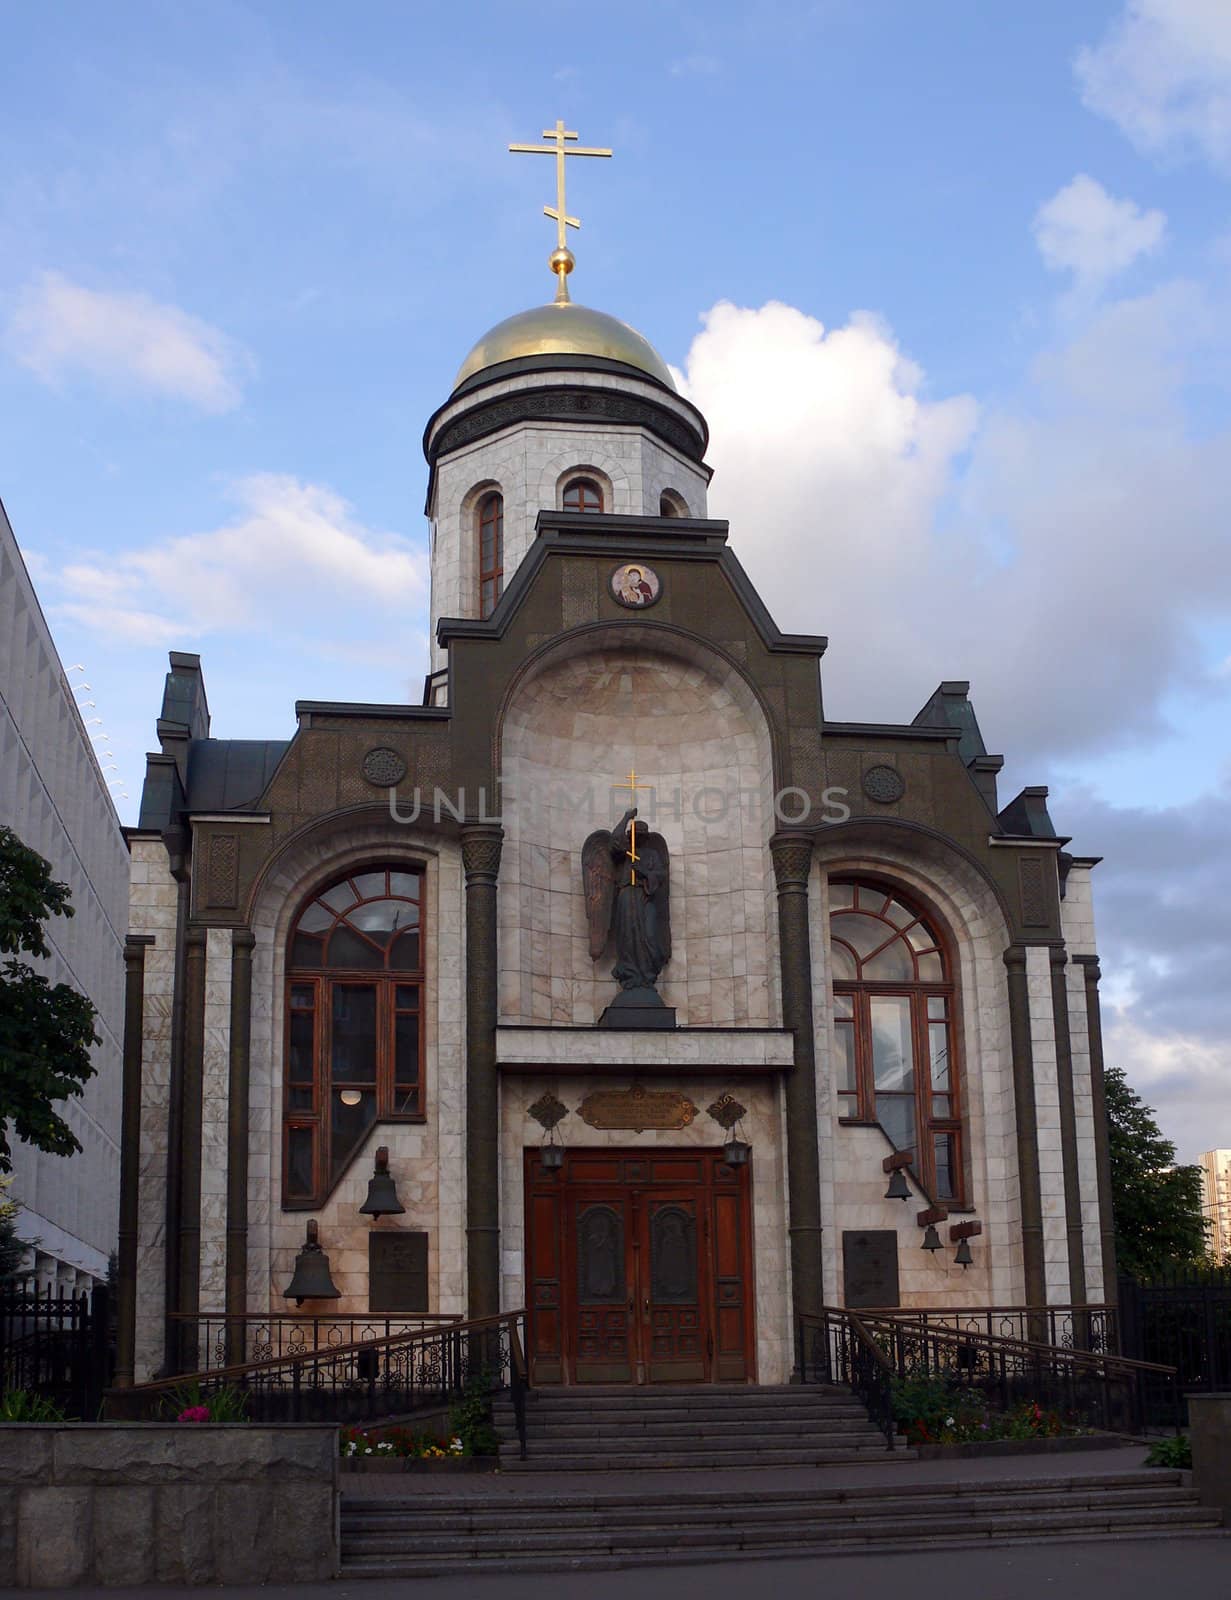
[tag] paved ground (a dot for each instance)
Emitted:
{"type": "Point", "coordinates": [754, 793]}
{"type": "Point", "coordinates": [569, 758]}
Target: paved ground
{"type": "Point", "coordinates": [878, 1470]}
{"type": "Point", "coordinates": [1112, 1571]}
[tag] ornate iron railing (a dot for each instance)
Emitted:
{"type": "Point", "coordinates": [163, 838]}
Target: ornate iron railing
{"type": "Point", "coordinates": [836, 1347]}
{"type": "Point", "coordinates": [56, 1345]}
{"type": "Point", "coordinates": [1093, 1328]}
{"type": "Point", "coordinates": [1100, 1389]}
{"type": "Point", "coordinates": [362, 1380]}
{"type": "Point", "coordinates": [228, 1341]}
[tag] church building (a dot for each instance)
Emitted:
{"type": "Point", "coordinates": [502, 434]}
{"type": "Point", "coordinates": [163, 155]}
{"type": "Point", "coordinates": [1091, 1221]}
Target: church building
{"type": "Point", "coordinates": [667, 1008]}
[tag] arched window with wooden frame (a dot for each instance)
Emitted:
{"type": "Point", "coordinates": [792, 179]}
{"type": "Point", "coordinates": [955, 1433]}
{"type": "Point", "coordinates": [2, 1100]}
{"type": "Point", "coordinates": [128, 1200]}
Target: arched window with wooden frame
{"type": "Point", "coordinates": [354, 1024]}
{"type": "Point", "coordinates": [491, 552]}
{"type": "Point", "coordinates": [582, 494]}
{"type": "Point", "coordinates": [894, 1002]}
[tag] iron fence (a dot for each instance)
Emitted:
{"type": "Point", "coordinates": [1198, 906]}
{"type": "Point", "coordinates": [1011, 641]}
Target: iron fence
{"type": "Point", "coordinates": [1183, 1319]}
{"type": "Point", "coordinates": [363, 1380]}
{"type": "Point", "coordinates": [57, 1345]}
{"type": "Point", "coordinates": [212, 1339]}
{"type": "Point", "coordinates": [1092, 1328]}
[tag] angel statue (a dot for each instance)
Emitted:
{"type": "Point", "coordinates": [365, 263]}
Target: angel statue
{"type": "Point", "coordinates": [625, 871]}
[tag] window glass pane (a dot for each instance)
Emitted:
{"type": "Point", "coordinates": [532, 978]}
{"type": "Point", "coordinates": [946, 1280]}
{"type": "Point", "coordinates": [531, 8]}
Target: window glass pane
{"type": "Point", "coordinates": [862, 933]}
{"type": "Point", "coordinates": [944, 1148]}
{"type": "Point", "coordinates": [845, 1032]}
{"type": "Point", "coordinates": [408, 997]}
{"type": "Point", "coordinates": [303, 994]}
{"type": "Point", "coordinates": [896, 1114]}
{"type": "Point", "coordinates": [349, 1124]}
{"type": "Point", "coordinates": [921, 937]}
{"type": "Point", "coordinates": [930, 969]}
{"type": "Point", "coordinates": [347, 949]}
{"type": "Point", "coordinates": [891, 965]}
{"type": "Point", "coordinates": [405, 883]}
{"type": "Point", "coordinates": [371, 885]}
{"type": "Point", "coordinates": [844, 1005]}
{"type": "Point", "coordinates": [848, 1105]}
{"type": "Point", "coordinates": [942, 1106]}
{"type": "Point", "coordinates": [898, 914]}
{"type": "Point", "coordinates": [353, 1040]}
{"type": "Point", "coordinates": [840, 895]}
{"type": "Point", "coordinates": [300, 1063]}
{"type": "Point", "coordinates": [383, 916]}
{"type": "Point", "coordinates": [306, 950]}
{"type": "Point", "coordinates": [842, 963]}
{"type": "Point", "coordinates": [892, 1061]}
{"type": "Point", "coordinates": [299, 1163]}
{"type": "Point", "coordinates": [404, 952]}
{"type": "Point", "coordinates": [938, 1046]}
{"type": "Point", "coordinates": [937, 1006]}
{"type": "Point", "coordinates": [406, 1050]}
{"type": "Point", "coordinates": [316, 918]}
{"type": "Point", "coordinates": [339, 897]}
{"type": "Point", "coordinates": [300, 1099]}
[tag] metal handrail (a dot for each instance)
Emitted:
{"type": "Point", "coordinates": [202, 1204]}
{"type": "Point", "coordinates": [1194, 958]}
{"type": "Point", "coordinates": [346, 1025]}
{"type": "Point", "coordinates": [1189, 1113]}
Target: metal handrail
{"type": "Point", "coordinates": [1059, 1352]}
{"type": "Point", "coordinates": [848, 1347]}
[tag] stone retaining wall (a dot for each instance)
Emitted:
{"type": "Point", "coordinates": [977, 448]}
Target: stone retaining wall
{"type": "Point", "coordinates": [129, 1503]}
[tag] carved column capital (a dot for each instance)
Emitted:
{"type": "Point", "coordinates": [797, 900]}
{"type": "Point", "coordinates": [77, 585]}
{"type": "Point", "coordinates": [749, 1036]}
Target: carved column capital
{"type": "Point", "coordinates": [481, 846]}
{"type": "Point", "coordinates": [1093, 970]}
{"type": "Point", "coordinates": [1058, 957]}
{"type": "Point", "coordinates": [792, 858]}
{"type": "Point", "coordinates": [1015, 958]}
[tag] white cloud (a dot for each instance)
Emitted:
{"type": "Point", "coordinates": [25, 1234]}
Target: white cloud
{"type": "Point", "coordinates": [296, 561]}
{"type": "Point", "coordinates": [1071, 545]}
{"type": "Point", "coordinates": [1084, 230]}
{"type": "Point", "coordinates": [1162, 74]}
{"type": "Point", "coordinates": [128, 340]}
{"type": "Point", "coordinates": [696, 66]}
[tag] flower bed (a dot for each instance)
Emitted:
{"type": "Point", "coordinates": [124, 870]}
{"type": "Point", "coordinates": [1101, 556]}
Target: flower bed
{"type": "Point", "coordinates": [398, 1449]}
{"type": "Point", "coordinates": [936, 1412]}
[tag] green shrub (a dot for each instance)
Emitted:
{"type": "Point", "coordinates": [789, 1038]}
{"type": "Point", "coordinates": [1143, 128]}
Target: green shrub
{"type": "Point", "coordinates": [23, 1405]}
{"type": "Point", "coordinates": [470, 1420]}
{"type": "Point", "coordinates": [1176, 1451]}
{"type": "Point", "coordinates": [223, 1403]}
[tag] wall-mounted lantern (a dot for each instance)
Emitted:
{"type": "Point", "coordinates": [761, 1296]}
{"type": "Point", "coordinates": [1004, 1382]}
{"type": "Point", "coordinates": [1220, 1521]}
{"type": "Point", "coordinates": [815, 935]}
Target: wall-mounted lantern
{"type": "Point", "coordinates": [729, 1114]}
{"type": "Point", "coordinates": [549, 1111]}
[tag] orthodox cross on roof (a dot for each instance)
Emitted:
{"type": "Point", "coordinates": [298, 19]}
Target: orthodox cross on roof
{"type": "Point", "coordinates": [561, 258]}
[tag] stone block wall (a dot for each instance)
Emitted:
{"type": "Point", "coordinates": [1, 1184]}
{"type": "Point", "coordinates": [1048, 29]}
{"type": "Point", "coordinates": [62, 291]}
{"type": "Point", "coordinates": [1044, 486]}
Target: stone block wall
{"type": "Point", "coordinates": [95, 1503]}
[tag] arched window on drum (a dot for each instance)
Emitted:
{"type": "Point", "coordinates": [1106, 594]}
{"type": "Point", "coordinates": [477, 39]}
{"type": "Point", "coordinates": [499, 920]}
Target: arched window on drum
{"type": "Point", "coordinates": [354, 1024]}
{"type": "Point", "coordinates": [894, 1028]}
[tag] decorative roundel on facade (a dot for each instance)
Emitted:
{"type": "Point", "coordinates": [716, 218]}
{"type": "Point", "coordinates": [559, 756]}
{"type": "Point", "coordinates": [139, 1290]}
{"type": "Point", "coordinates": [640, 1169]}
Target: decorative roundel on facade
{"type": "Point", "coordinates": [635, 585]}
{"type": "Point", "coordinates": [883, 784]}
{"type": "Point", "coordinates": [384, 767]}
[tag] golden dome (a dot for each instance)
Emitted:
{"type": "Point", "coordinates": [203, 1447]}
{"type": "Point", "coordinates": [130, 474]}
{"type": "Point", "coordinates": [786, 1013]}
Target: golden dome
{"type": "Point", "coordinates": [568, 330]}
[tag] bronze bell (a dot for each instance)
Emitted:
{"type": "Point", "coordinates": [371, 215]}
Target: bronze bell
{"type": "Point", "coordinates": [898, 1188]}
{"type": "Point", "coordinates": [931, 1239]}
{"type": "Point", "coordinates": [382, 1200]}
{"type": "Point", "coordinates": [963, 1257]}
{"type": "Point", "coordinates": [311, 1280]}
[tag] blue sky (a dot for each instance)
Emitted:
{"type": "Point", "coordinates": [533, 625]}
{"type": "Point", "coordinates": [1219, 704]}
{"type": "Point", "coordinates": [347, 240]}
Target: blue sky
{"type": "Point", "coordinates": [950, 281]}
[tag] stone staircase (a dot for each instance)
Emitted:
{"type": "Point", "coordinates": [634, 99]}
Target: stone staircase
{"type": "Point", "coordinates": [627, 1429]}
{"type": "Point", "coordinates": [590, 1525]}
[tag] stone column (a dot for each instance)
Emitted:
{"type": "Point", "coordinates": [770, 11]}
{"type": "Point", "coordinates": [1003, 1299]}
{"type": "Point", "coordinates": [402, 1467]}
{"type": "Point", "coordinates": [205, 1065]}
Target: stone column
{"type": "Point", "coordinates": [1102, 1147]}
{"type": "Point", "coordinates": [238, 1090]}
{"type": "Point", "coordinates": [792, 858]}
{"type": "Point", "coordinates": [1068, 1128]}
{"type": "Point", "coordinates": [481, 844]}
{"type": "Point", "coordinates": [178, 845]}
{"type": "Point", "coordinates": [130, 1158]}
{"type": "Point", "coordinates": [1026, 1118]}
{"type": "Point", "coordinates": [189, 1244]}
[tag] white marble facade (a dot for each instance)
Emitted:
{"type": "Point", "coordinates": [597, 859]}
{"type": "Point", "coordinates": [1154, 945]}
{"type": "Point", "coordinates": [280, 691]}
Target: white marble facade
{"type": "Point", "coordinates": [530, 464]}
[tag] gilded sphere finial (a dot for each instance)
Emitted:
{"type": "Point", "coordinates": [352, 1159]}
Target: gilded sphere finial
{"type": "Point", "coordinates": [561, 261]}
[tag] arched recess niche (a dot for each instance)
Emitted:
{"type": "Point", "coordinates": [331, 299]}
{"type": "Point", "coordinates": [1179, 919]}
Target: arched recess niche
{"type": "Point", "coordinates": [584, 714]}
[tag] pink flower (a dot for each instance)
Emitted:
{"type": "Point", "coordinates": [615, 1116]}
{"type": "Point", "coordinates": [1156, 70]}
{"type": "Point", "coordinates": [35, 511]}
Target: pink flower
{"type": "Point", "coordinates": [194, 1414]}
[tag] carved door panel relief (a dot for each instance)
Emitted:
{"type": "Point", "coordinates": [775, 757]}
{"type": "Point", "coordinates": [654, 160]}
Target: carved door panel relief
{"type": "Point", "coordinates": [605, 1339]}
{"type": "Point", "coordinates": [674, 1325]}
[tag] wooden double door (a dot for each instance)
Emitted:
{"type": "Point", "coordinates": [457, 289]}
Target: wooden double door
{"type": "Point", "coordinates": [640, 1268]}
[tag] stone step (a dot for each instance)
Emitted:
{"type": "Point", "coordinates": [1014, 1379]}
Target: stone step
{"type": "Point", "coordinates": [695, 1460]}
{"type": "Point", "coordinates": [705, 1399]}
{"type": "Point", "coordinates": [597, 1496]}
{"type": "Point", "coordinates": [643, 1428]}
{"type": "Point", "coordinates": [401, 1522]}
{"type": "Point", "coordinates": [800, 1532]}
{"type": "Point", "coordinates": [990, 1532]}
{"type": "Point", "coordinates": [640, 1416]}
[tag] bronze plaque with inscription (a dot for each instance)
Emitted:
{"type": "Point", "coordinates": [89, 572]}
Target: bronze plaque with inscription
{"type": "Point", "coordinates": [397, 1271]}
{"type": "Point", "coordinates": [636, 1109]}
{"type": "Point", "coordinates": [870, 1268]}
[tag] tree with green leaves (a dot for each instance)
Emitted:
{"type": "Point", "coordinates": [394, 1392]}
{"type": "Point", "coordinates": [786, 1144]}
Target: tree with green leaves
{"type": "Point", "coordinates": [46, 1030]}
{"type": "Point", "coordinates": [1159, 1222]}
{"type": "Point", "coordinates": [12, 1249]}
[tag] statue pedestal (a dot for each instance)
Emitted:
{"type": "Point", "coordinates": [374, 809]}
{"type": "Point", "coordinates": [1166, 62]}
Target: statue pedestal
{"type": "Point", "coordinates": [637, 1008]}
